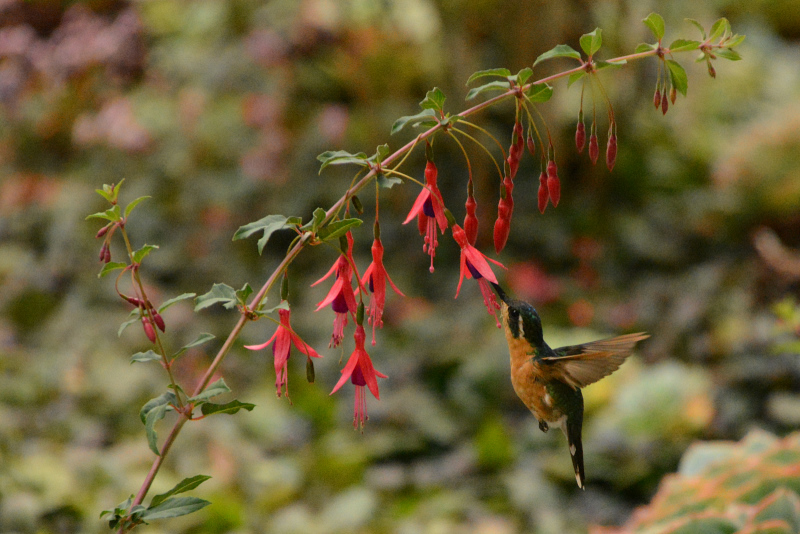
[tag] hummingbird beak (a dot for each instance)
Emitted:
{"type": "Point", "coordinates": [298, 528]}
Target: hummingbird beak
{"type": "Point", "coordinates": [500, 292]}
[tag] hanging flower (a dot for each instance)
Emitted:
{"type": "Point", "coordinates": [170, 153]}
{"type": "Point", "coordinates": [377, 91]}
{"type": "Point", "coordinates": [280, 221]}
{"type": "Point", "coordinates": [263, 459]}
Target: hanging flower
{"type": "Point", "coordinates": [284, 337]}
{"type": "Point", "coordinates": [474, 265]}
{"type": "Point", "coordinates": [341, 296]}
{"type": "Point", "coordinates": [375, 277]}
{"type": "Point", "coordinates": [429, 210]}
{"type": "Point", "coordinates": [361, 373]}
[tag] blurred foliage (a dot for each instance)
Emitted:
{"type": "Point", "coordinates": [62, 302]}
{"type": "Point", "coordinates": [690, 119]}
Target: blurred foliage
{"type": "Point", "coordinates": [217, 110]}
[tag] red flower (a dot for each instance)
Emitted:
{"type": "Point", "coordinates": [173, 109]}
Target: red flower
{"type": "Point", "coordinates": [474, 265]}
{"type": "Point", "coordinates": [429, 208]}
{"type": "Point", "coordinates": [361, 373]}
{"type": "Point", "coordinates": [283, 337]}
{"type": "Point", "coordinates": [341, 296]}
{"type": "Point", "coordinates": [375, 277]}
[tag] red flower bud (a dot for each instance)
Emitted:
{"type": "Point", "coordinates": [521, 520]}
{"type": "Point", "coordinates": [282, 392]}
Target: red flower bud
{"type": "Point", "coordinates": [102, 231]}
{"type": "Point", "coordinates": [148, 330]}
{"type": "Point", "coordinates": [107, 257]}
{"type": "Point", "coordinates": [673, 95]}
{"type": "Point", "coordinates": [159, 321]}
{"type": "Point", "coordinates": [580, 137]}
{"type": "Point", "coordinates": [664, 105]}
{"type": "Point", "coordinates": [471, 221]}
{"type": "Point", "coordinates": [544, 194]}
{"type": "Point", "coordinates": [103, 250]}
{"type": "Point", "coordinates": [594, 149]}
{"type": "Point", "coordinates": [657, 98]}
{"type": "Point", "coordinates": [531, 145]}
{"type": "Point", "coordinates": [502, 227]}
{"type": "Point", "coordinates": [553, 185]}
{"type": "Point", "coordinates": [711, 71]}
{"type": "Point", "coordinates": [135, 301]}
{"type": "Point", "coordinates": [515, 150]}
{"type": "Point", "coordinates": [611, 152]}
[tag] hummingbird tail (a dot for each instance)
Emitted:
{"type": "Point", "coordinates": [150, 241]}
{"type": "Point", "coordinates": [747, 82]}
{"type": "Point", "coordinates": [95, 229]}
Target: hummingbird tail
{"type": "Point", "coordinates": [572, 429]}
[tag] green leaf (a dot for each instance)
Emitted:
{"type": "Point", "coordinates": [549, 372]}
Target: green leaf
{"type": "Point", "coordinates": [645, 47]}
{"type": "Point", "coordinates": [736, 40]}
{"type": "Point", "coordinates": [341, 157]}
{"type": "Point", "coordinates": [540, 92]}
{"type": "Point", "coordinates": [727, 53]}
{"type": "Point", "coordinates": [380, 153]}
{"type": "Point", "coordinates": [719, 29]}
{"type": "Point", "coordinates": [142, 253]}
{"type": "Point", "coordinates": [575, 76]}
{"type": "Point", "coordinates": [152, 412]}
{"type": "Point", "coordinates": [110, 192]}
{"type": "Point", "coordinates": [148, 356]}
{"type": "Point", "coordinates": [678, 76]}
{"type": "Point", "coordinates": [174, 508]}
{"type": "Point", "coordinates": [133, 204]}
{"type": "Point", "coordinates": [316, 221]}
{"type": "Point", "coordinates": [175, 300]}
{"type": "Point", "coordinates": [523, 75]}
{"type": "Point", "coordinates": [591, 42]}
{"type": "Point", "coordinates": [388, 181]}
{"type": "Point", "coordinates": [426, 115]}
{"type": "Point", "coordinates": [282, 306]}
{"type": "Point", "coordinates": [268, 225]}
{"type": "Point", "coordinates": [500, 73]}
{"type": "Point", "coordinates": [232, 407]}
{"type": "Point", "coordinates": [110, 267]}
{"type": "Point", "coordinates": [434, 99]}
{"type": "Point", "coordinates": [600, 65]}
{"type": "Point", "coordinates": [683, 45]}
{"type": "Point", "coordinates": [111, 214]}
{"type": "Point", "coordinates": [217, 388]}
{"type": "Point", "coordinates": [187, 484]}
{"type": "Point", "coordinates": [698, 26]}
{"type": "Point", "coordinates": [491, 86]}
{"type": "Point", "coordinates": [338, 228]}
{"type": "Point", "coordinates": [558, 51]}
{"type": "Point", "coordinates": [655, 22]}
{"type": "Point", "coordinates": [202, 338]}
{"type": "Point", "coordinates": [134, 316]}
{"type": "Point", "coordinates": [244, 293]}
{"type": "Point", "coordinates": [219, 294]}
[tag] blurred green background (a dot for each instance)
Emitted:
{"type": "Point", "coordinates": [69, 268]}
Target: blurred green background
{"type": "Point", "coordinates": [217, 110]}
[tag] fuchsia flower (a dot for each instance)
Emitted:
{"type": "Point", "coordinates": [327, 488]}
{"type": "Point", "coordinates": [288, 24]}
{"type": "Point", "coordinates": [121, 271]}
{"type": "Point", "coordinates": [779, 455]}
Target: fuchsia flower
{"type": "Point", "coordinates": [284, 337]}
{"type": "Point", "coordinates": [361, 373]}
{"type": "Point", "coordinates": [429, 209]}
{"type": "Point", "coordinates": [474, 265]}
{"type": "Point", "coordinates": [375, 277]}
{"type": "Point", "coordinates": [341, 296]}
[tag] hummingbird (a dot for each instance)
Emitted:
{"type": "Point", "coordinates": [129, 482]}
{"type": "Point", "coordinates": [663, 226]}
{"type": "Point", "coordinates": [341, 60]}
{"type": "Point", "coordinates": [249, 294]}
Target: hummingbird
{"type": "Point", "coordinates": [549, 381]}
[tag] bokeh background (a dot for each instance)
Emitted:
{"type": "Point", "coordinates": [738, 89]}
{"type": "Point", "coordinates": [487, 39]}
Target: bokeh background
{"type": "Point", "coordinates": [217, 110]}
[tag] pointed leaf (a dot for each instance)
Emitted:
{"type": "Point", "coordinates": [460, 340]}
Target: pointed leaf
{"type": "Point", "coordinates": [683, 45]}
{"type": "Point", "coordinates": [500, 73]}
{"type": "Point", "coordinates": [338, 228]}
{"type": "Point", "coordinates": [491, 86]}
{"type": "Point", "coordinates": [217, 388]}
{"type": "Point", "coordinates": [558, 51]}
{"type": "Point", "coordinates": [282, 306]}
{"type": "Point", "coordinates": [110, 268]}
{"type": "Point", "coordinates": [151, 413]}
{"type": "Point", "coordinates": [698, 26]}
{"type": "Point", "coordinates": [591, 42]}
{"type": "Point", "coordinates": [678, 76]}
{"type": "Point", "coordinates": [134, 316]}
{"type": "Point", "coordinates": [316, 221]}
{"type": "Point", "coordinates": [111, 214]}
{"type": "Point", "coordinates": [719, 29]}
{"type": "Point", "coordinates": [133, 204]}
{"type": "Point", "coordinates": [645, 47]}
{"type": "Point", "coordinates": [540, 92]}
{"type": "Point", "coordinates": [388, 181]}
{"type": "Point", "coordinates": [523, 75]}
{"type": "Point", "coordinates": [175, 300]}
{"type": "Point", "coordinates": [736, 40]}
{"type": "Point", "coordinates": [380, 153]}
{"type": "Point", "coordinates": [575, 76]}
{"type": "Point", "coordinates": [187, 484]}
{"type": "Point", "coordinates": [341, 157]}
{"type": "Point", "coordinates": [728, 53]}
{"type": "Point", "coordinates": [145, 357]}
{"type": "Point", "coordinates": [202, 338]}
{"type": "Point", "coordinates": [655, 22]}
{"type": "Point", "coordinates": [219, 294]}
{"type": "Point", "coordinates": [175, 507]}
{"type": "Point", "coordinates": [434, 99]}
{"type": "Point", "coordinates": [600, 65]}
{"type": "Point", "coordinates": [232, 407]}
{"type": "Point", "coordinates": [140, 254]}
{"type": "Point", "coordinates": [268, 225]}
{"type": "Point", "coordinates": [243, 294]}
{"type": "Point", "coordinates": [424, 116]}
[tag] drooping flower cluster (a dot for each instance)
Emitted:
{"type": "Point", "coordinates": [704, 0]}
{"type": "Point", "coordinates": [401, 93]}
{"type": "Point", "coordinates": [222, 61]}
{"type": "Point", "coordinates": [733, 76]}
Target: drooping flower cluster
{"type": "Point", "coordinates": [375, 277]}
{"type": "Point", "coordinates": [341, 296]}
{"type": "Point", "coordinates": [429, 211]}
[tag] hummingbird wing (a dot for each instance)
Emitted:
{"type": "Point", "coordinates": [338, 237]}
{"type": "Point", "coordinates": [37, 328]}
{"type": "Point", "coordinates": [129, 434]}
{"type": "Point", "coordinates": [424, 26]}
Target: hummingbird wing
{"type": "Point", "coordinates": [581, 365]}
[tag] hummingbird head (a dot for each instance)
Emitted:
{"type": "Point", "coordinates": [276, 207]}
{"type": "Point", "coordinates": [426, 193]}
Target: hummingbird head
{"type": "Point", "coordinates": [520, 318]}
